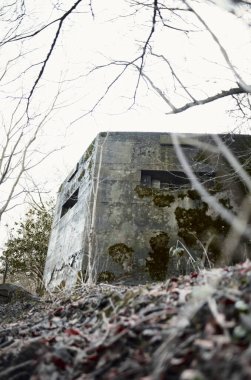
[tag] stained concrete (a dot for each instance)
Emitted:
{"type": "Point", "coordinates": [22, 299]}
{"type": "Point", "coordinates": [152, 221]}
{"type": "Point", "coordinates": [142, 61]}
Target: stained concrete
{"type": "Point", "coordinates": [143, 227]}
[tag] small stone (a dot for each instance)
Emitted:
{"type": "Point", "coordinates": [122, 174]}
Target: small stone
{"type": "Point", "coordinates": [13, 293]}
{"type": "Point", "coordinates": [192, 374]}
{"type": "Point", "coordinates": [239, 332]}
{"type": "Point", "coordinates": [241, 306]}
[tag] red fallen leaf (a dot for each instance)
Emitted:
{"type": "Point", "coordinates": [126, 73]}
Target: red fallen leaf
{"type": "Point", "coordinates": [58, 362]}
{"type": "Point", "coordinates": [100, 349]}
{"type": "Point", "coordinates": [112, 374]}
{"type": "Point", "coordinates": [194, 274]}
{"type": "Point", "coordinates": [92, 358]}
{"type": "Point", "coordinates": [58, 311]}
{"type": "Point", "coordinates": [72, 331]}
{"type": "Point", "coordinates": [120, 328]}
{"type": "Point", "coordinates": [48, 340]}
{"type": "Point", "coordinates": [245, 270]}
{"type": "Point", "coordinates": [227, 301]}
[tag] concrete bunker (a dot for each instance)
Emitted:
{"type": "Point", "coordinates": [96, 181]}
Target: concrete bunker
{"type": "Point", "coordinates": [144, 205]}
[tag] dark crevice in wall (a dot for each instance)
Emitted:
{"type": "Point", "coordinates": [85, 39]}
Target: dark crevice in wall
{"type": "Point", "coordinates": [157, 263]}
{"type": "Point", "coordinates": [69, 203]}
{"type": "Point", "coordinates": [74, 173]}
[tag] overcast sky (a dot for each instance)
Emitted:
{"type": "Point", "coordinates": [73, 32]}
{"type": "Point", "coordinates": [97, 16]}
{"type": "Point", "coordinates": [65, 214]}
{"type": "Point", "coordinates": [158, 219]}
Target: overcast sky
{"type": "Point", "coordinates": [86, 42]}
{"type": "Point", "coordinates": [89, 42]}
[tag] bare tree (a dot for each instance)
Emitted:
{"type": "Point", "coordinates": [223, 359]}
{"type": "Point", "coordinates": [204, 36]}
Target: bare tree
{"type": "Point", "coordinates": [179, 80]}
{"type": "Point", "coordinates": [24, 113]}
{"type": "Point", "coordinates": [151, 58]}
{"type": "Point", "coordinates": [19, 154]}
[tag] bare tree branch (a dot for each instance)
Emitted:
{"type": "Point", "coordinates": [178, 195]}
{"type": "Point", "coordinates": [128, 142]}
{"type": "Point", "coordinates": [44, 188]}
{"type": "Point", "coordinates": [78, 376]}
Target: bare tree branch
{"type": "Point", "coordinates": [226, 214]}
{"type": "Point", "coordinates": [61, 21]}
{"type": "Point", "coordinates": [209, 99]}
{"type": "Point", "coordinates": [241, 82]}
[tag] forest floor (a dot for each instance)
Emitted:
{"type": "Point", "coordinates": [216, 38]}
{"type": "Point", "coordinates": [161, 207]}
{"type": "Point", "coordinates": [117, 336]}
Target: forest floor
{"type": "Point", "coordinates": [194, 327]}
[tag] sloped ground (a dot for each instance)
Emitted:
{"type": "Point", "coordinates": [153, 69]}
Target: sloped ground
{"type": "Point", "coordinates": [194, 327]}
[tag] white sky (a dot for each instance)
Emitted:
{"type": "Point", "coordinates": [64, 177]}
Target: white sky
{"type": "Point", "coordinates": [84, 44]}
{"type": "Point", "coordinates": [92, 39]}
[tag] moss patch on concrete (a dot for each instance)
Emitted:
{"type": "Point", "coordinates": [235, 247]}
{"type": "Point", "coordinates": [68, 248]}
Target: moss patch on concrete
{"type": "Point", "coordinates": [226, 203]}
{"type": "Point", "coordinates": [193, 194]}
{"type": "Point", "coordinates": [121, 254]}
{"type": "Point", "coordinates": [163, 200]}
{"type": "Point", "coordinates": [160, 198]}
{"type": "Point", "coordinates": [81, 175]}
{"type": "Point", "coordinates": [88, 152]}
{"type": "Point", "coordinates": [143, 191]}
{"type": "Point", "coordinates": [106, 276]}
{"type": "Point", "coordinates": [195, 224]}
{"type": "Point", "coordinates": [190, 193]}
{"type": "Point", "coordinates": [157, 262]}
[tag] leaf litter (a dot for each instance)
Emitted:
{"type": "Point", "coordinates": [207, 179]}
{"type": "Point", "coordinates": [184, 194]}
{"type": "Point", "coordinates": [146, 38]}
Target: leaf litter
{"type": "Point", "coordinates": [193, 327]}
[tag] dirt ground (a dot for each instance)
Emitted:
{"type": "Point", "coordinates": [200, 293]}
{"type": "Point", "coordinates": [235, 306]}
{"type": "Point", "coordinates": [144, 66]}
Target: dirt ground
{"type": "Point", "coordinates": [194, 327]}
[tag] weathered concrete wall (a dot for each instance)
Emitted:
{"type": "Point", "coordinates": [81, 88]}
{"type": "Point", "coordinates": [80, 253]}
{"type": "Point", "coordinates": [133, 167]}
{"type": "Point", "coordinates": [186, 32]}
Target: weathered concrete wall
{"type": "Point", "coordinates": [137, 224]}
{"type": "Point", "coordinates": [68, 241]}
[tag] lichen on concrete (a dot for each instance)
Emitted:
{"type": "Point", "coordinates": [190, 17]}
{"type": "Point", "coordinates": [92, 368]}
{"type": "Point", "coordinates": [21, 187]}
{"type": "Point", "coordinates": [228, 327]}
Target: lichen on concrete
{"type": "Point", "coordinates": [121, 254]}
{"type": "Point", "coordinates": [106, 276]}
{"type": "Point", "coordinates": [163, 200]}
{"type": "Point", "coordinates": [189, 193]}
{"type": "Point", "coordinates": [226, 202]}
{"type": "Point", "coordinates": [194, 224]}
{"type": "Point", "coordinates": [89, 152]}
{"type": "Point", "coordinates": [160, 198]}
{"type": "Point", "coordinates": [81, 175]}
{"type": "Point", "coordinates": [193, 194]}
{"type": "Point", "coordinates": [143, 191]}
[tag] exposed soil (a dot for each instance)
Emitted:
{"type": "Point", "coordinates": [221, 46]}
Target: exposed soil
{"type": "Point", "coordinates": [194, 327]}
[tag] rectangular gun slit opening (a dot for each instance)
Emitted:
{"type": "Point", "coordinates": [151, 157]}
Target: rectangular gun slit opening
{"type": "Point", "coordinates": [69, 203]}
{"type": "Point", "coordinates": [171, 179]}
